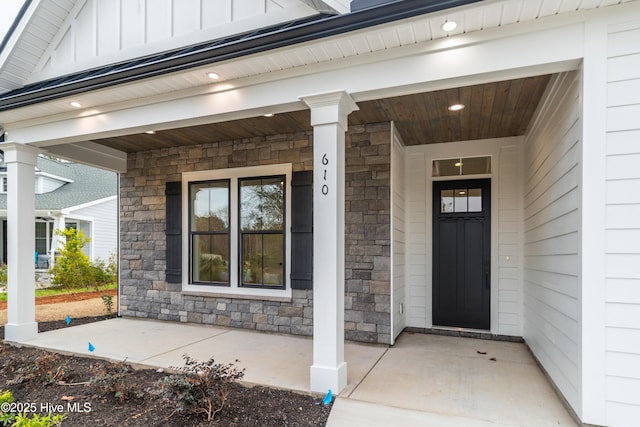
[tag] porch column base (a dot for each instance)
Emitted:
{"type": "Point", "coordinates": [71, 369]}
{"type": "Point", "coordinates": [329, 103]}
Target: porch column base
{"type": "Point", "coordinates": [325, 378]}
{"type": "Point", "coordinates": [20, 332]}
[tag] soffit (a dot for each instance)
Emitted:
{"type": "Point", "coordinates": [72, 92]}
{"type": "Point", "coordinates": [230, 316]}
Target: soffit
{"type": "Point", "coordinates": [492, 110]}
{"type": "Point", "coordinates": [408, 32]}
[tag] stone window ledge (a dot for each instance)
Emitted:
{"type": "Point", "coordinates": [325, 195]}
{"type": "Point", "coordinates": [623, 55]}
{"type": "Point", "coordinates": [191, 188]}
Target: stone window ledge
{"type": "Point", "coordinates": [237, 296]}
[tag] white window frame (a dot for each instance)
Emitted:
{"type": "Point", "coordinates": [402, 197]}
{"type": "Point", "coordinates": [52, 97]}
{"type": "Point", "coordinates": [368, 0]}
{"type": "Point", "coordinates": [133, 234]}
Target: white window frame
{"type": "Point", "coordinates": [234, 175]}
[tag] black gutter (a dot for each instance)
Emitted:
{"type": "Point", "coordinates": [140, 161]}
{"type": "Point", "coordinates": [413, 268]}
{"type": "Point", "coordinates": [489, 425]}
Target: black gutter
{"type": "Point", "coordinates": [224, 49]}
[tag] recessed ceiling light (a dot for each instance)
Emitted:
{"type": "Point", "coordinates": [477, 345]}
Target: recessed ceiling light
{"type": "Point", "coordinates": [75, 104]}
{"type": "Point", "coordinates": [455, 107]}
{"type": "Point", "coordinates": [150, 132]}
{"type": "Point", "coordinates": [449, 26]}
{"type": "Point", "coordinates": [213, 76]}
{"type": "Point", "coordinates": [269, 115]}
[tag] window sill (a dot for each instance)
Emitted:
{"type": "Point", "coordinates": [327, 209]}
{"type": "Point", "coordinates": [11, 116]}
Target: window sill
{"type": "Point", "coordinates": [248, 294]}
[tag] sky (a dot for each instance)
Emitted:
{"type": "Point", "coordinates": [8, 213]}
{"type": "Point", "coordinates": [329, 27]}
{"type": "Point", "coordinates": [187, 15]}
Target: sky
{"type": "Point", "coordinates": [8, 11]}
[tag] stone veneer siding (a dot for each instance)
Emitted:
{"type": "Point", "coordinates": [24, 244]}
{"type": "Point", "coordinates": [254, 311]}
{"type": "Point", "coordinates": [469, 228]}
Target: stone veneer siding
{"type": "Point", "coordinates": [145, 293]}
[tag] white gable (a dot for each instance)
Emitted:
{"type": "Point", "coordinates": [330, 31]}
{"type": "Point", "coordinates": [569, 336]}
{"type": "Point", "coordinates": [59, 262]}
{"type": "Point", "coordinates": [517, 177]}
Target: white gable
{"type": "Point", "coordinates": [66, 36]}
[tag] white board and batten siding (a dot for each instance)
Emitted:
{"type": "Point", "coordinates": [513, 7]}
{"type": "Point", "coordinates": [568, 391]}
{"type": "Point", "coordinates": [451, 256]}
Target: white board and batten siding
{"type": "Point", "coordinates": [552, 296]}
{"type": "Point", "coordinates": [622, 311]}
{"type": "Point", "coordinates": [99, 32]}
{"type": "Point", "coordinates": [506, 231]}
{"type": "Point", "coordinates": [398, 235]}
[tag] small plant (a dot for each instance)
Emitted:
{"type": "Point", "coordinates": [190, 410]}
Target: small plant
{"type": "Point", "coordinates": [107, 300]}
{"type": "Point", "coordinates": [48, 367]}
{"type": "Point", "coordinates": [36, 420]}
{"type": "Point", "coordinates": [114, 378]}
{"type": "Point", "coordinates": [6, 418]}
{"type": "Point", "coordinates": [3, 274]}
{"type": "Point", "coordinates": [200, 387]}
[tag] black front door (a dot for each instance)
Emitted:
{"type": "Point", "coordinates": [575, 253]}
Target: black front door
{"type": "Point", "coordinates": [461, 253]}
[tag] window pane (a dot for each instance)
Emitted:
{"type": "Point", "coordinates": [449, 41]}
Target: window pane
{"type": "Point", "coordinates": [475, 200]}
{"type": "Point", "coordinates": [262, 204]}
{"type": "Point", "coordinates": [460, 204]}
{"type": "Point", "coordinates": [252, 259]}
{"type": "Point", "coordinates": [446, 167]}
{"type": "Point", "coordinates": [446, 201]}
{"type": "Point", "coordinates": [210, 258]}
{"type": "Point", "coordinates": [272, 260]}
{"type": "Point", "coordinates": [262, 259]}
{"type": "Point", "coordinates": [41, 237]}
{"type": "Point", "coordinates": [476, 165]}
{"type": "Point", "coordinates": [210, 206]}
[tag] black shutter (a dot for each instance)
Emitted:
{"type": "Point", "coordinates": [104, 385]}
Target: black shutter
{"type": "Point", "coordinates": [173, 193]}
{"type": "Point", "coordinates": [302, 230]}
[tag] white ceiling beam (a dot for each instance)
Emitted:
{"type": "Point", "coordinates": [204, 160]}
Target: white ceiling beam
{"type": "Point", "coordinates": [92, 154]}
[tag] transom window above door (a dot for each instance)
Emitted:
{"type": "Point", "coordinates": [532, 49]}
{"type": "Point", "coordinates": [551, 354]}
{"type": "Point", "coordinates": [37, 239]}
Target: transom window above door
{"type": "Point", "coordinates": [460, 166]}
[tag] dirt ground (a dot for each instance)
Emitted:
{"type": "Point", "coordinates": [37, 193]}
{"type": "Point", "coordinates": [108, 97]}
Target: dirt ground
{"type": "Point", "coordinates": [61, 306]}
{"type": "Point", "coordinates": [41, 380]}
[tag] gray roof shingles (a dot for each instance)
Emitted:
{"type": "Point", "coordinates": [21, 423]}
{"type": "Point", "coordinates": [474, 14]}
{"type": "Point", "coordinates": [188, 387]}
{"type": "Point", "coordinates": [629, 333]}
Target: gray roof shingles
{"type": "Point", "coordinates": [89, 184]}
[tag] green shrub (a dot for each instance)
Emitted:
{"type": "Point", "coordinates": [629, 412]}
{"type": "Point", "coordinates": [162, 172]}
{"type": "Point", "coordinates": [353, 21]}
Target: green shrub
{"type": "Point", "coordinates": [73, 269]}
{"type": "Point", "coordinates": [36, 420]}
{"type": "Point", "coordinates": [6, 418]}
{"type": "Point", "coordinates": [200, 387]}
{"type": "Point", "coordinates": [3, 273]}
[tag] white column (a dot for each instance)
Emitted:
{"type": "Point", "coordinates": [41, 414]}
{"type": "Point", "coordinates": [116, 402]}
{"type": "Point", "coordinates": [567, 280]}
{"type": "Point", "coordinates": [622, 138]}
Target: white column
{"type": "Point", "coordinates": [329, 120]}
{"type": "Point", "coordinates": [21, 307]}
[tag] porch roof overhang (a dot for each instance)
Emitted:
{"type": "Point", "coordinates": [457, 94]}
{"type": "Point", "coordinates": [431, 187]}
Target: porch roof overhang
{"type": "Point", "coordinates": [292, 33]}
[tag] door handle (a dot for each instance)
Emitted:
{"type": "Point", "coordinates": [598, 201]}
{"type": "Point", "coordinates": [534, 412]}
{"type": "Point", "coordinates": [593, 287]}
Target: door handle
{"type": "Point", "coordinates": [486, 276]}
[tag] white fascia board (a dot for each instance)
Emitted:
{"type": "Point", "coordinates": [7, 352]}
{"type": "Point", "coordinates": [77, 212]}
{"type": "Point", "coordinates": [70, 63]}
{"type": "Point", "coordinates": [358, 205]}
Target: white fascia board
{"type": "Point", "coordinates": [56, 177]}
{"type": "Point", "coordinates": [69, 210]}
{"type": "Point", "coordinates": [466, 59]}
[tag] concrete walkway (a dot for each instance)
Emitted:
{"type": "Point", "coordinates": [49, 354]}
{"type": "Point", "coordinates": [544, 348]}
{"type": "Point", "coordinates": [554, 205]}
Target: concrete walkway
{"type": "Point", "coordinates": [423, 380]}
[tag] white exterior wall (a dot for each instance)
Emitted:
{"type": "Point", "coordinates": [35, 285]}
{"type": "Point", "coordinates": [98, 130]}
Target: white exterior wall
{"type": "Point", "coordinates": [48, 184]}
{"type": "Point", "coordinates": [552, 232]}
{"type": "Point", "coordinates": [622, 307]}
{"type": "Point", "coordinates": [506, 264]}
{"type": "Point", "coordinates": [398, 234]}
{"type": "Point", "coordinates": [102, 228]}
{"type": "Point", "coordinates": [100, 32]}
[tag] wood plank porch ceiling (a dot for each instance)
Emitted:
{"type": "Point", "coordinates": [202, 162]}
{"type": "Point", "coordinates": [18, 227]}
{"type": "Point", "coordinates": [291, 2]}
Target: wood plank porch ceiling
{"type": "Point", "coordinates": [492, 110]}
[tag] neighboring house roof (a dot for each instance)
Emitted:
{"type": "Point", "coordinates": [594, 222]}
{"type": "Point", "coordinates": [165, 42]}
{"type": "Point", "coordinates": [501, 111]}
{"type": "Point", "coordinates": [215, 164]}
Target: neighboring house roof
{"type": "Point", "coordinates": [235, 46]}
{"type": "Point", "coordinates": [88, 185]}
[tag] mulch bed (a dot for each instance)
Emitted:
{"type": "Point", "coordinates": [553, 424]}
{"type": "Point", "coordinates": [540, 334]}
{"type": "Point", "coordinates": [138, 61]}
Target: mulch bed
{"type": "Point", "coordinates": [247, 406]}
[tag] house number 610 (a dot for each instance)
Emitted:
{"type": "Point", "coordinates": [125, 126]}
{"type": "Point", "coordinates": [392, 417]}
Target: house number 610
{"type": "Point", "coordinates": [325, 187]}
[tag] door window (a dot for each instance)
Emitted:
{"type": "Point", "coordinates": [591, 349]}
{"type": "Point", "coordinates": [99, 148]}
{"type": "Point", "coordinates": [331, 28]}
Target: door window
{"type": "Point", "coordinates": [461, 200]}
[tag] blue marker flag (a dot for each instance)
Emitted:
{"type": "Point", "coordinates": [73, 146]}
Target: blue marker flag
{"type": "Point", "coordinates": [328, 398]}
{"type": "Point", "coordinates": [91, 347]}
{"type": "Point", "coordinates": [68, 319]}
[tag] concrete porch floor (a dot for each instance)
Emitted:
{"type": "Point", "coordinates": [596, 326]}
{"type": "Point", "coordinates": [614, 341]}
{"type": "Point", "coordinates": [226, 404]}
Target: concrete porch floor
{"type": "Point", "coordinates": [423, 380]}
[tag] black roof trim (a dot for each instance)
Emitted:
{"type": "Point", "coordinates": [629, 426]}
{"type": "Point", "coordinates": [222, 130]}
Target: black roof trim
{"type": "Point", "coordinates": [291, 33]}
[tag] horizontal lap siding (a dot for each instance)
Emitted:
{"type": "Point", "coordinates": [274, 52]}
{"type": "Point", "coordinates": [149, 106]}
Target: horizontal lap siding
{"type": "Point", "coordinates": [418, 314]}
{"type": "Point", "coordinates": [398, 235]}
{"type": "Point", "coordinates": [622, 315]}
{"type": "Point", "coordinates": [104, 227]}
{"type": "Point", "coordinates": [552, 236]}
{"type": "Point", "coordinates": [509, 241]}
